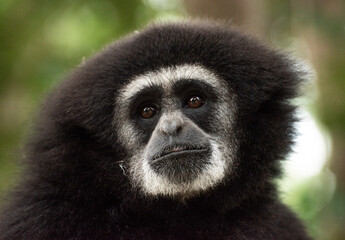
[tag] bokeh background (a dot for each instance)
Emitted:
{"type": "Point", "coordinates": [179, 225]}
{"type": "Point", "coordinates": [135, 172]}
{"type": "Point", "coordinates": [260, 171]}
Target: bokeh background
{"type": "Point", "coordinates": [42, 40]}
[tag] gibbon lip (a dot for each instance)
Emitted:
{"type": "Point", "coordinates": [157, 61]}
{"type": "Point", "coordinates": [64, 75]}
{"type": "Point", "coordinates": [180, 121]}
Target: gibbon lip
{"type": "Point", "coordinates": [177, 150]}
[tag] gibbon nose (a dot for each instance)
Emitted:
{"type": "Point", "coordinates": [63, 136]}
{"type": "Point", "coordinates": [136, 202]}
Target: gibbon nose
{"type": "Point", "coordinates": [171, 125]}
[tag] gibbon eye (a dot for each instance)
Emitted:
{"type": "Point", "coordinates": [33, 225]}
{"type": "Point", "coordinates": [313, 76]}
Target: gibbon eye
{"type": "Point", "coordinates": [148, 111]}
{"type": "Point", "coordinates": [195, 102]}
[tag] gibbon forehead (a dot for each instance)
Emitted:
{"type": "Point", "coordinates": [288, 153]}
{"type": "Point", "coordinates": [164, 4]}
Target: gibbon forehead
{"type": "Point", "coordinates": [197, 156]}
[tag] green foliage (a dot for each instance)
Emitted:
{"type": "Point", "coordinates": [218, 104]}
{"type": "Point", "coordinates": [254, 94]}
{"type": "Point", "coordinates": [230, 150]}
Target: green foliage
{"type": "Point", "coordinates": [310, 197]}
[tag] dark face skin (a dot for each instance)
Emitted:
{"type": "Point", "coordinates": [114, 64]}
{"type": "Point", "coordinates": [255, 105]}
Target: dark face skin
{"type": "Point", "coordinates": [175, 127]}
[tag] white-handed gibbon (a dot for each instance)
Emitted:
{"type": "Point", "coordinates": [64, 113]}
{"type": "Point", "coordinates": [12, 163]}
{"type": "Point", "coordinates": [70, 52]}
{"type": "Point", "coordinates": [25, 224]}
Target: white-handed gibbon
{"type": "Point", "coordinates": [173, 132]}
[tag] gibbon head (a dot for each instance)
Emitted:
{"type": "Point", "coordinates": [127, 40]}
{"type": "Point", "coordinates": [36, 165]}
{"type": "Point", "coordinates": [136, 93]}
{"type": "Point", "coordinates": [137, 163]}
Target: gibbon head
{"type": "Point", "coordinates": [178, 110]}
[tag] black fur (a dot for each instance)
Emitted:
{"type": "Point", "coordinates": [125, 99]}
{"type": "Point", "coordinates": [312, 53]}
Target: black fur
{"type": "Point", "coordinates": [73, 187]}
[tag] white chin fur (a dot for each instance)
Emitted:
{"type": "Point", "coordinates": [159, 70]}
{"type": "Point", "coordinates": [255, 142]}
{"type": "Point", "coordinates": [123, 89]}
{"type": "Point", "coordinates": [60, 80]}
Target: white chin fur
{"type": "Point", "coordinates": [155, 184]}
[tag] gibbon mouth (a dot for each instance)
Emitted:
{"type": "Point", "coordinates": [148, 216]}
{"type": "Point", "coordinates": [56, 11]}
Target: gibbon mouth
{"type": "Point", "coordinates": [175, 151]}
{"type": "Point", "coordinates": [182, 163]}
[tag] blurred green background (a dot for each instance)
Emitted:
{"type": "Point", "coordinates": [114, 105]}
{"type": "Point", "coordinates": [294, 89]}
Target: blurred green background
{"type": "Point", "coordinates": [42, 40]}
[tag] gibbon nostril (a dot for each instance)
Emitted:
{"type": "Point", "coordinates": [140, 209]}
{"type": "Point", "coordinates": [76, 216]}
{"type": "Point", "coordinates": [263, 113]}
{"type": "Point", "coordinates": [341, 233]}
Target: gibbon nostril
{"type": "Point", "coordinates": [171, 126]}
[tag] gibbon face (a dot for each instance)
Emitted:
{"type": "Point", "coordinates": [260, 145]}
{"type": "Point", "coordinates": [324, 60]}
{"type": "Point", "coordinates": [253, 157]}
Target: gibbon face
{"type": "Point", "coordinates": [175, 121]}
